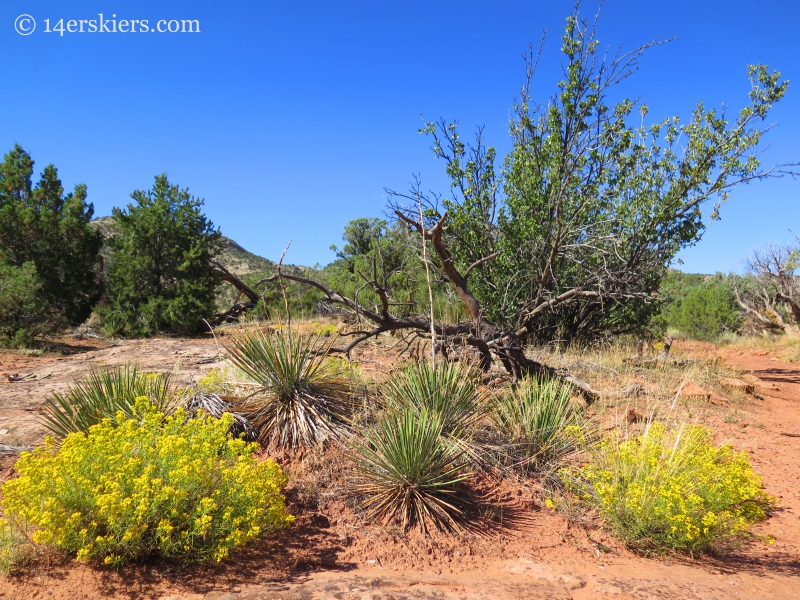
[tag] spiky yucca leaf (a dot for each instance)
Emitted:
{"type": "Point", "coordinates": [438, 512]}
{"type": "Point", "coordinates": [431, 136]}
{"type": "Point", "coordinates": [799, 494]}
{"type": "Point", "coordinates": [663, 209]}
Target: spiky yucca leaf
{"type": "Point", "coordinates": [537, 421]}
{"type": "Point", "coordinates": [101, 394]}
{"type": "Point", "coordinates": [449, 390]}
{"type": "Point", "coordinates": [304, 398]}
{"type": "Point", "coordinates": [409, 470]}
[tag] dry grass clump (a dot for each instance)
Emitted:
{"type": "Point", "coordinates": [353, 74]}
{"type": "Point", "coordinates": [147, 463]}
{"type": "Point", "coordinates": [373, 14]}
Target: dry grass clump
{"type": "Point", "coordinates": [609, 369]}
{"type": "Point", "coordinates": [787, 347]}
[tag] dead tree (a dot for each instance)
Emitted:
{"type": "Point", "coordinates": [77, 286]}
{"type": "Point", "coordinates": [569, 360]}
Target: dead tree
{"type": "Point", "coordinates": [238, 308]}
{"type": "Point", "coordinates": [491, 344]}
{"type": "Point", "coordinates": [771, 301]}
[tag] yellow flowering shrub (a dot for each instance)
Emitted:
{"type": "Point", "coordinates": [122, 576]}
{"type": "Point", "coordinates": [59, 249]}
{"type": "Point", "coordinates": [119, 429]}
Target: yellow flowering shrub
{"type": "Point", "coordinates": [147, 485]}
{"type": "Point", "coordinates": [324, 330]}
{"type": "Point", "coordinates": [212, 382]}
{"type": "Point", "coordinates": [671, 490]}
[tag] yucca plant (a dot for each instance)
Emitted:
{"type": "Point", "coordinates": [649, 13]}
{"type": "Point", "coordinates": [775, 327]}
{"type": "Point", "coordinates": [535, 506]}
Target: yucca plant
{"type": "Point", "coordinates": [304, 398]}
{"type": "Point", "coordinates": [409, 471]}
{"type": "Point", "coordinates": [448, 390]}
{"type": "Point", "coordinates": [101, 394]}
{"type": "Point", "coordinates": [539, 421]}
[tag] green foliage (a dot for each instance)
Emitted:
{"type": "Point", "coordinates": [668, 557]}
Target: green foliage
{"type": "Point", "coordinates": [539, 420]}
{"type": "Point", "coordinates": [304, 397]}
{"type": "Point", "coordinates": [389, 255]}
{"type": "Point", "coordinates": [410, 471]}
{"type": "Point", "coordinates": [326, 330]}
{"type": "Point", "coordinates": [161, 279]}
{"type": "Point", "coordinates": [147, 485]}
{"type": "Point", "coordinates": [699, 306]}
{"type": "Point", "coordinates": [671, 490]}
{"type": "Point", "coordinates": [589, 208]}
{"type": "Point", "coordinates": [708, 310]}
{"type": "Point", "coordinates": [16, 550]}
{"type": "Point", "coordinates": [45, 243]}
{"type": "Point", "coordinates": [449, 391]}
{"type": "Point", "coordinates": [22, 313]}
{"type": "Point", "coordinates": [101, 395]}
{"type": "Point", "coordinates": [672, 291]}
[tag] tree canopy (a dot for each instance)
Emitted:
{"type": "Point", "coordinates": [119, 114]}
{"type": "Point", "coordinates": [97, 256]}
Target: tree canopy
{"type": "Point", "coordinates": [162, 277]}
{"type": "Point", "coordinates": [593, 203]}
{"type": "Point", "coordinates": [47, 247]}
{"type": "Point", "coordinates": [572, 234]}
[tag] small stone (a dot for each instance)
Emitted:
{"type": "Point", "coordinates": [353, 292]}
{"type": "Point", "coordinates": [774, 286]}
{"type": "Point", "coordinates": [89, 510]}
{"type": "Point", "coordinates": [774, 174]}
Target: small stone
{"type": "Point", "coordinates": [690, 389]}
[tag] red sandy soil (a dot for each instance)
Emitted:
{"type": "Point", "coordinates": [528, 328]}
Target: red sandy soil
{"type": "Point", "coordinates": [528, 552]}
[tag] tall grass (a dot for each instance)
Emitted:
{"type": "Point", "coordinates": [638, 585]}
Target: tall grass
{"type": "Point", "coordinates": [101, 394]}
{"type": "Point", "coordinates": [304, 397]}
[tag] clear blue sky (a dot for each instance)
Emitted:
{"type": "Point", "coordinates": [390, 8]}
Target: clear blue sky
{"type": "Point", "coordinates": [289, 118]}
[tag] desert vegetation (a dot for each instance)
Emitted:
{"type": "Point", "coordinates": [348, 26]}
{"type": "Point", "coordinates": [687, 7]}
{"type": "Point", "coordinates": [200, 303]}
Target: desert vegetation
{"type": "Point", "coordinates": [526, 323]}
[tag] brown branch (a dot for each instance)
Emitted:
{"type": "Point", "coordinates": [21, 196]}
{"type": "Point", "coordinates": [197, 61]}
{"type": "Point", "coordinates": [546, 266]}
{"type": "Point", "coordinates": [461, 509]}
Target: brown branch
{"type": "Point", "coordinates": [434, 234]}
{"type": "Point", "coordinates": [794, 308]}
{"type": "Point", "coordinates": [565, 297]}
{"type": "Point", "coordinates": [240, 285]}
{"type": "Point", "coordinates": [479, 262]}
{"type": "Point", "coordinates": [751, 311]}
{"type": "Point", "coordinates": [283, 287]}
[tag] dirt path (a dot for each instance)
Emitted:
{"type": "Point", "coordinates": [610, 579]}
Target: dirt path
{"type": "Point", "coordinates": [327, 556]}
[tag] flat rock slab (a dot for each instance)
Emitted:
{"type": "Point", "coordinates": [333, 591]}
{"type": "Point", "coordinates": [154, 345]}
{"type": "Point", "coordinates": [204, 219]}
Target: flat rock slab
{"type": "Point", "coordinates": [187, 360]}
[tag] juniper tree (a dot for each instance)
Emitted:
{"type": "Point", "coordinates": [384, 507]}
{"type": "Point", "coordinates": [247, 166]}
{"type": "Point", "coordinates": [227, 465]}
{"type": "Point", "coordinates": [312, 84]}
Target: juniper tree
{"type": "Point", "coordinates": [46, 240]}
{"type": "Point", "coordinates": [162, 278]}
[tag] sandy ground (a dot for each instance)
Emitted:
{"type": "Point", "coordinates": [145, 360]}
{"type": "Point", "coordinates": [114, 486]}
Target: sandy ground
{"type": "Point", "coordinates": [534, 554]}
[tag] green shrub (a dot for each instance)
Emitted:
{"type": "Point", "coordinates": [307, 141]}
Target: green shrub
{"type": "Point", "coordinates": [409, 470]}
{"type": "Point", "coordinates": [671, 490]}
{"type": "Point", "coordinates": [213, 382]}
{"type": "Point", "coordinates": [22, 312]}
{"type": "Point", "coordinates": [448, 390]}
{"type": "Point", "coordinates": [101, 394]}
{"type": "Point", "coordinates": [324, 330]}
{"type": "Point", "coordinates": [708, 310]}
{"type": "Point", "coordinates": [538, 422]}
{"type": "Point", "coordinates": [304, 397]}
{"type": "Point", "coordinates": [16, 551]}
{"type": "Point", "coordinates": [147, 485]}
{"type": "Point", "coordinates": [46, 237]}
